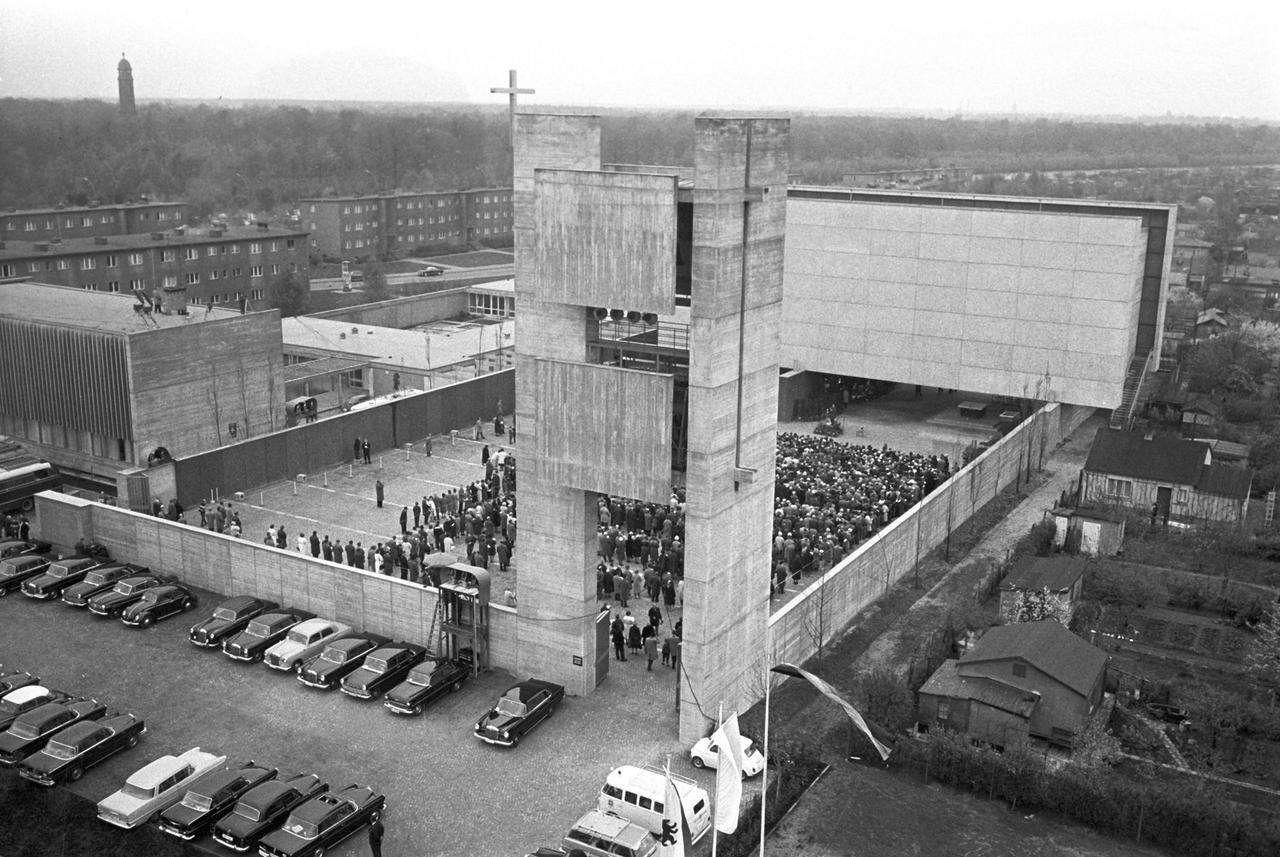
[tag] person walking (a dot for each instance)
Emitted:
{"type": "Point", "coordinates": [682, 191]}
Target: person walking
{"type": "Point", "coordinates": [651, 650]}
{"type": "Point", "coordinates": [619, 640]}
{"type": "Point", "coordinates": [427, 445]}
{"type": "Point", "coordinates": [377, 490]}
{"type": "Point", "coordinates": [478, 432]}
{"type": "Point", "coordinates": [376, 830]}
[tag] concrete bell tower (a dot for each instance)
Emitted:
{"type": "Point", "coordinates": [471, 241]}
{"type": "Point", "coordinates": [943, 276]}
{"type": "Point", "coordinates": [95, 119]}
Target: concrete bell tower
{"type": "Point", "coordinates": [125, 79]}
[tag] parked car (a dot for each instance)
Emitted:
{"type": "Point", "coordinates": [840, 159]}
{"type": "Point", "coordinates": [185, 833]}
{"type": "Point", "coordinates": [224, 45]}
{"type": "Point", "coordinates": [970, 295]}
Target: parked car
{"type": "Point", "coordinates": [72, 752]}
{"type": "Point", "coordinates": [98, 581]}
{"type": "Point", "coordinates": [14, 680]}
{"type": "Point", "coordinates": [431, 271]}
{"type": "Point", "coordinates": [426, 683]}
{"type": "Point", "coordinates": [16, 569]}
{"type": "Point", "coordinates": [706, 754]}
{"type": "Point", "coordinates": [323, 822]}
{"type": "Point", "coordinates": [602, 834]}
{"type": "Point", "coordinates": [518, 711]}
{"type": "Point", "coordinates": [157, 603]}
{"type": "Point", "coordinates": [262, 632]}
{"type": "Point", "coordinates": [1167, 713]}
{"type": "Point", "coordinates": [228, 619]}
{"type": "Point", "coordinates": [59, 575]}
{"type": "Point", "coordinates": [210, 799]}
{"type": "Point", "coordinates": [338, 659]}
{"type": "Point", "coordinates": [29, 732]}
{"type": "Point", "coordinates": [24, 699]}
{"type": "Point", "coordinates": [157, 786]}
{"type": "Point", "coordinates": [303, 642]}
{"type": "Point", "coordinates": [263, 809]}
{"type": "Point", "coordinates": [383, 669]}
{"type": "Point", "coordinates": [23, 547]}
{"type": "Point", "coordinates": [126, 591]}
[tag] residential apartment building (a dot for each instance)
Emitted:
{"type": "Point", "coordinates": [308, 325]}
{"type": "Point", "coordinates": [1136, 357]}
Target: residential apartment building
{"type": "Point", "coordinates": [400, 224]}
{"type": "Point", "coordinates": [88, 221]}
{"type": "Point", "coordinates": [210, 266]}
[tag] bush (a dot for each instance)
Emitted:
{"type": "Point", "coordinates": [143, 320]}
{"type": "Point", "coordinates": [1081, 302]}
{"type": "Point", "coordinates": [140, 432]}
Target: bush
{"type": "Point", "coordinates": [1042, 537]}
{"type": "Point", "coordinates": [792, 769]}
{"type": "Point", "coordinates": [1246, 410]}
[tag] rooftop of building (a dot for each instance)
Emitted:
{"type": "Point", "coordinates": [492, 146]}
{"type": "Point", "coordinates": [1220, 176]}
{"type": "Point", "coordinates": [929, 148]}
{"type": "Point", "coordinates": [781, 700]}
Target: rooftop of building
{"type": "Point", "coordinates": [439, 345]}
{"type": "Point", "coordinates": [976, 200]}
{"type": "Point", "coordinates": [80, 209]}
{"type": "Point", "coordinates": [1047, 646]}
{"type": "Point", "coordinates": [496, 287]}
{"type": "Point", "coordinates": [70, 307]}
{"type": "Point", "coordinates": [1056, 574]}
{"type": "Point", "coordinates": [140, 240]}
{"type": "Point", "coordinates": [401, 194]}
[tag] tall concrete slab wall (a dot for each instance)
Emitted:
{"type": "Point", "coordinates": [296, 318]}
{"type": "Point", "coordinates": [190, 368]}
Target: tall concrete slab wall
{"type": "Point", "coordinates": [229, 566]}
{"type": "Point", "coordinates": [403, 312]}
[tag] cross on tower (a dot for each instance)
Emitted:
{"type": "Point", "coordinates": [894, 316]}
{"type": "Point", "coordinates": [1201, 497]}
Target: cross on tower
{"type": "Point", "coordinates": [512, 90]}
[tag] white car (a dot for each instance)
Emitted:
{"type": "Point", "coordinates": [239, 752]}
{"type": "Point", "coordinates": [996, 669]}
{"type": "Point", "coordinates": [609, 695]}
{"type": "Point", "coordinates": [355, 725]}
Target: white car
{"type": "Point", "coordinates": [705, 754]}
{"type": "Point", "coordinates": [303, 641]}
{"type": "Point", "coordinates": [156, 786]}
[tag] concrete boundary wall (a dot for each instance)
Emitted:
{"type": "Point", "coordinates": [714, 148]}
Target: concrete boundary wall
{"type": "Point", "coordinates": [403, 312]}
{"type": "Point", "coordinates": [880, 562]}
{"type": "Point", "coordinates": [231, 566]}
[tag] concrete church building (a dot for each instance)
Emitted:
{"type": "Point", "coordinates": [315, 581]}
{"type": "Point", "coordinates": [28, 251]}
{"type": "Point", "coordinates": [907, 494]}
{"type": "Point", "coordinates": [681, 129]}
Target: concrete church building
{"type": "Point", "coordinates": [655, 319]}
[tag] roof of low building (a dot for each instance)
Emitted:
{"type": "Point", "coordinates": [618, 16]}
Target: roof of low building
{"type": "Point", "coordinates": [1158, 458]}
{"type": "Point", "coordinates": [946, 681]}
{"type": "Point", "coordinates": [1045, 645]}
{"type": "Point", "coordinates": [142, 240]}
{"type": "Point", "coordinates": [417, 350]}
{"type": "Point", "coordinates": [1214, 315]}
{"type": "Point", "coordinates": [1225, 480]}
{"type": "Point", "coordinates": [70, 307]}
{"type": "Point", "coordinates": [1056, 573]}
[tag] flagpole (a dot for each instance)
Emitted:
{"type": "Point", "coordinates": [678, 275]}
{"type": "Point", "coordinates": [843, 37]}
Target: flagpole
{"type": "Point", "coordinates": [715, 828]}
{"type": "Point", "coordinates": [764, 772]}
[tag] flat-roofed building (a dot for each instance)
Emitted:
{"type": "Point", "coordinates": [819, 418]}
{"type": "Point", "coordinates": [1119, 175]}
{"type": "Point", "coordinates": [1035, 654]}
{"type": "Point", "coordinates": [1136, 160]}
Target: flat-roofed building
{"type": "Point", "coordinates": [86, 221]}
{"type": "Point", "coordinates": [98, 384]}
{"type": "Point", "coordinates": [216, 266]}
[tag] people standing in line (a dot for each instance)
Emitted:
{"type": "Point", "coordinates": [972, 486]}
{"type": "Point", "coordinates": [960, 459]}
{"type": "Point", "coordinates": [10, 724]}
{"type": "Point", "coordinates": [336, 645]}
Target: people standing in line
{"type": "Point", "coordinates": [377, 490]}
{"type": "Point", "coordinates": [326, 549]}
{"type": "Point", "coordinates": [282, 540]}
{"type": "Point", "coordinates": [315, 544]}
{"type": "Point", "coordinates": [302, 543]}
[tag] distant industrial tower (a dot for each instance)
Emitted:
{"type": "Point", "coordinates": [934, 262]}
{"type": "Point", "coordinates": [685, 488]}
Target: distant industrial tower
{"type": "Point", "coordinates": [126, 87]}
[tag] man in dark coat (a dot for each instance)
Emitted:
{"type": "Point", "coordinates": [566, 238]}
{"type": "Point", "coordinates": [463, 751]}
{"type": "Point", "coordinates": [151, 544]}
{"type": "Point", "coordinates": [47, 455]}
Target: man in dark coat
{"type": "Point", "coordinates": [377, 489]}
{"type": "Point", "coordinates": [404, 520]}
{"type": "Point", "coordinates": [376, 830]}
{"type": "Point", "coordinates": [315, 544]}
{"type": "Point", "coordinates": [351, 553]}
{"type": "Point", "coordinates": [326, 549]}
{"type": "Point", "coordinates": [417, 514]}
{"type": "Point", "coordinates": [364, 447]}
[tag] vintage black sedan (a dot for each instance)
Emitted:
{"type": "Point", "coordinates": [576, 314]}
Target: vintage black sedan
{"type": "Point", "coordinates": [263, 632]}
{"type": "Point", "coordinates": [157, 603]}
{"type": "Point", "coordinates": [323, 822]}
{"type": "Point", "coordinates": [210, 799]}
{"type": "Point", "coordinates": [18, 702]}
{"type": "Point", "coordinates": [426, 683]}
{"type": "Point", "coordinates": [263, 808]}
{"type": "Point", "coordinates": [228, 618]}
{"type": "Point", "coordinates": [29, 732]}
{"type": "Point", "coordinates": [521, 708]}
{"type": "Point", "coordinates": [12, 680]}
{"type": "Point", "coordinates": [339, 658]}
{"type": "Point", "coordinates": [20, 547]}
{"type": "Point", "coordinates": [383, 669]}
{"type": "Point", "coordinates": [60, 575]}
{"type": "Point", "coordinates": [16, 569]}
{"type": "Point", "coordinates": [99, 580]}
{"type": "Point", "coordinates": [126, 591]}
{"type": "Point", "coordinates": [73, 751]}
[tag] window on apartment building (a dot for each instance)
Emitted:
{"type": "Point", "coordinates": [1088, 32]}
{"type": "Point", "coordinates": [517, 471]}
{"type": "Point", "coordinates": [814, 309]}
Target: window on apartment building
{"type": "Point", "coordinates": [255, 271]}
{"type": "Point", "coordinates": [88, 263]}
{"type": "Point", "coordinates": [170, 281]}
{"type": "Point", "coordinates": [213, 251]}
{"type": "Point", "coordinates": [346, 209]}
{"type": "Point", "coordinates": [1122, 488]}
{"type": "Point", "coordinates": [191, 254]}
{"type": "Point", "coordinates": [113, 261]}
{"type": "Point", "coordinates": [137, 283]}
{"type": "Point", "coordinates": [275, 269]}
{"type": "Point", "coordinates": [7, 270]}
{"type": "Point", "coordinates": [944, 710]}
{"type": "Point", "coordinates": [213, 275]}
{"type": "Point", "coordinates": [1181, 496]}
{"type": "Point", "coordinates": [113, 286]}
{"type": "Point", "coordinates": [275, 245]}
{"type": "Point", "coordinates": [69, 223]}
{"type": "Point", "coordinates": [235, 272]}
{"type": "Point", "coordinates": [235, 249]}
{"type": "Point", "coordinates": [193, 277]}
{"type": "Point", "coordinates": [293, 267]}
{"type": "Point", "coordinates": [90, 287]}
{"type": "Point", "coordinates": [359, 243]}
{"type": "Point", "coordinates": [346, 245]}
{"type": "Point", "coordinates": [106, 218]}
{"type": "Point", "coordinates": [135, 258]}
{"type": "Point", "coordinates": [257, 294]}
{"type": "Point", "coordinates": [359, 227]}
{"type": "Point", "coordinates": [63, 265]}
{"type": "Point", "coordinates": [168, 255]}
{"type": "Point", "coordinates": [29, 226]}
{"type": "Point", "coordinates": [86, 221]}
{"type": "Point", "coordinates": [255, 247]}
{"type": "Point", "coordinates": [33, 267]}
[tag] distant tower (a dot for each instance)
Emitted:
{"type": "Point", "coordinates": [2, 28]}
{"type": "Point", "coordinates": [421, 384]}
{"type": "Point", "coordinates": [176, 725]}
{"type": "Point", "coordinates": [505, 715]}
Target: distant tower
{"type": "Point", "coordinates": [126, 87]}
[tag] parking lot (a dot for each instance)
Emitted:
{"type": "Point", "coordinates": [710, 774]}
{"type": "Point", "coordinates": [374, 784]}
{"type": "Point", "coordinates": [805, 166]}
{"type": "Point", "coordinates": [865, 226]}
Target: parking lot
{"type": "Point", "coordinates": [447, 793]}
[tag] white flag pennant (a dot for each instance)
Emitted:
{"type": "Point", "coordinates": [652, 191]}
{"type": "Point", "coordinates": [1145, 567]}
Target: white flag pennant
{"type": "Point", "coordinates": [729, 765]}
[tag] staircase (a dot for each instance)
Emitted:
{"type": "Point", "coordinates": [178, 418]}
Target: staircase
{"type": "Point", "coordinates": [1139, 367]}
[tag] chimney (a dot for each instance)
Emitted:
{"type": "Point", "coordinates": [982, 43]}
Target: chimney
{"type": "Point", "coordinates": [263, 225]}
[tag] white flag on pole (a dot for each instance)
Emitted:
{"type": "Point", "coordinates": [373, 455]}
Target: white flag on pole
{"type": "Point", "coordinates": [729, 766]}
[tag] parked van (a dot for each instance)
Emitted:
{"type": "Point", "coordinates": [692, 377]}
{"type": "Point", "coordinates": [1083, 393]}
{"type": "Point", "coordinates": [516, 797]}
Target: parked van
{"type": "Point", "coordinates": [639, 795]}
{"type": "Point", "coordinates": [604, 835]}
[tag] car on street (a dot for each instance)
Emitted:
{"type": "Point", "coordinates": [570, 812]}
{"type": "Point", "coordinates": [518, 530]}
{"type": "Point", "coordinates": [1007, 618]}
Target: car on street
{"type": "Point", "coordinates": [156, 786]}
{"type": "Point", "coordinates": [338, 659]}
{"type": "Point", "coordinates": [73, 751]}
{"type": "Point", "coordinates": [383, 669]}
{"type": "Point", "coordinates": [264, 808]}
{"type": "Point", "coordinates": [23, 547]}
{"type": "Point", "coordinates": [518, 711]}
{"type": "Point", "coordinates": [157, 603]}
{"type": "Point", "coordinates": [431, 271]}
{"type": "Point", "coordinates": [303, 642]}
{"type": "Point", "coordinates": [323, 822]}
{"type": "Point", "coordinates": [210, 799]}
{"type": "Point", "coordinates": [98, 581]}
{"type": "Point", "coordinates": [126, 591]}
{"type": "Point", "coordinates": [28, 698]}
{"type": "Point", "coordinates": [228, 619]}
{"type": "Point", "coordinates": [262, 633]}
{"type": "Point", "coordinates": [426, 683]}
{"type": "Point", "coordinates": [14, 680]}
{"type": "Point", "coordinates": [705, 753]}
{"type": "Point", "coordinates": [17, 569]}
{"type": "Point", "coordinates": [59, 575]}
{"type": "Point", "coordinates": [602, 834]}
{"type": "Point", "coordinates": [28, 733]}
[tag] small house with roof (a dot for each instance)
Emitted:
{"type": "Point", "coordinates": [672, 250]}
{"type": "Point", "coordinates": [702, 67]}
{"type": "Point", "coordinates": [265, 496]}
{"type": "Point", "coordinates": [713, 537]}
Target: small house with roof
{"type": "Point", "coordinates": [1059, 580]}
{"type": "Point", "coordinates": [1170, 477]}
{"type": "Point", "coordinates": [1030, 679]}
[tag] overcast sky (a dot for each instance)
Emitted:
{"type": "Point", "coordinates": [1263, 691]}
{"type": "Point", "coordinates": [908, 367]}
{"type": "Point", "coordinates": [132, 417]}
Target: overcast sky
{"type": "Point", "coordinates": [1120, 57]}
